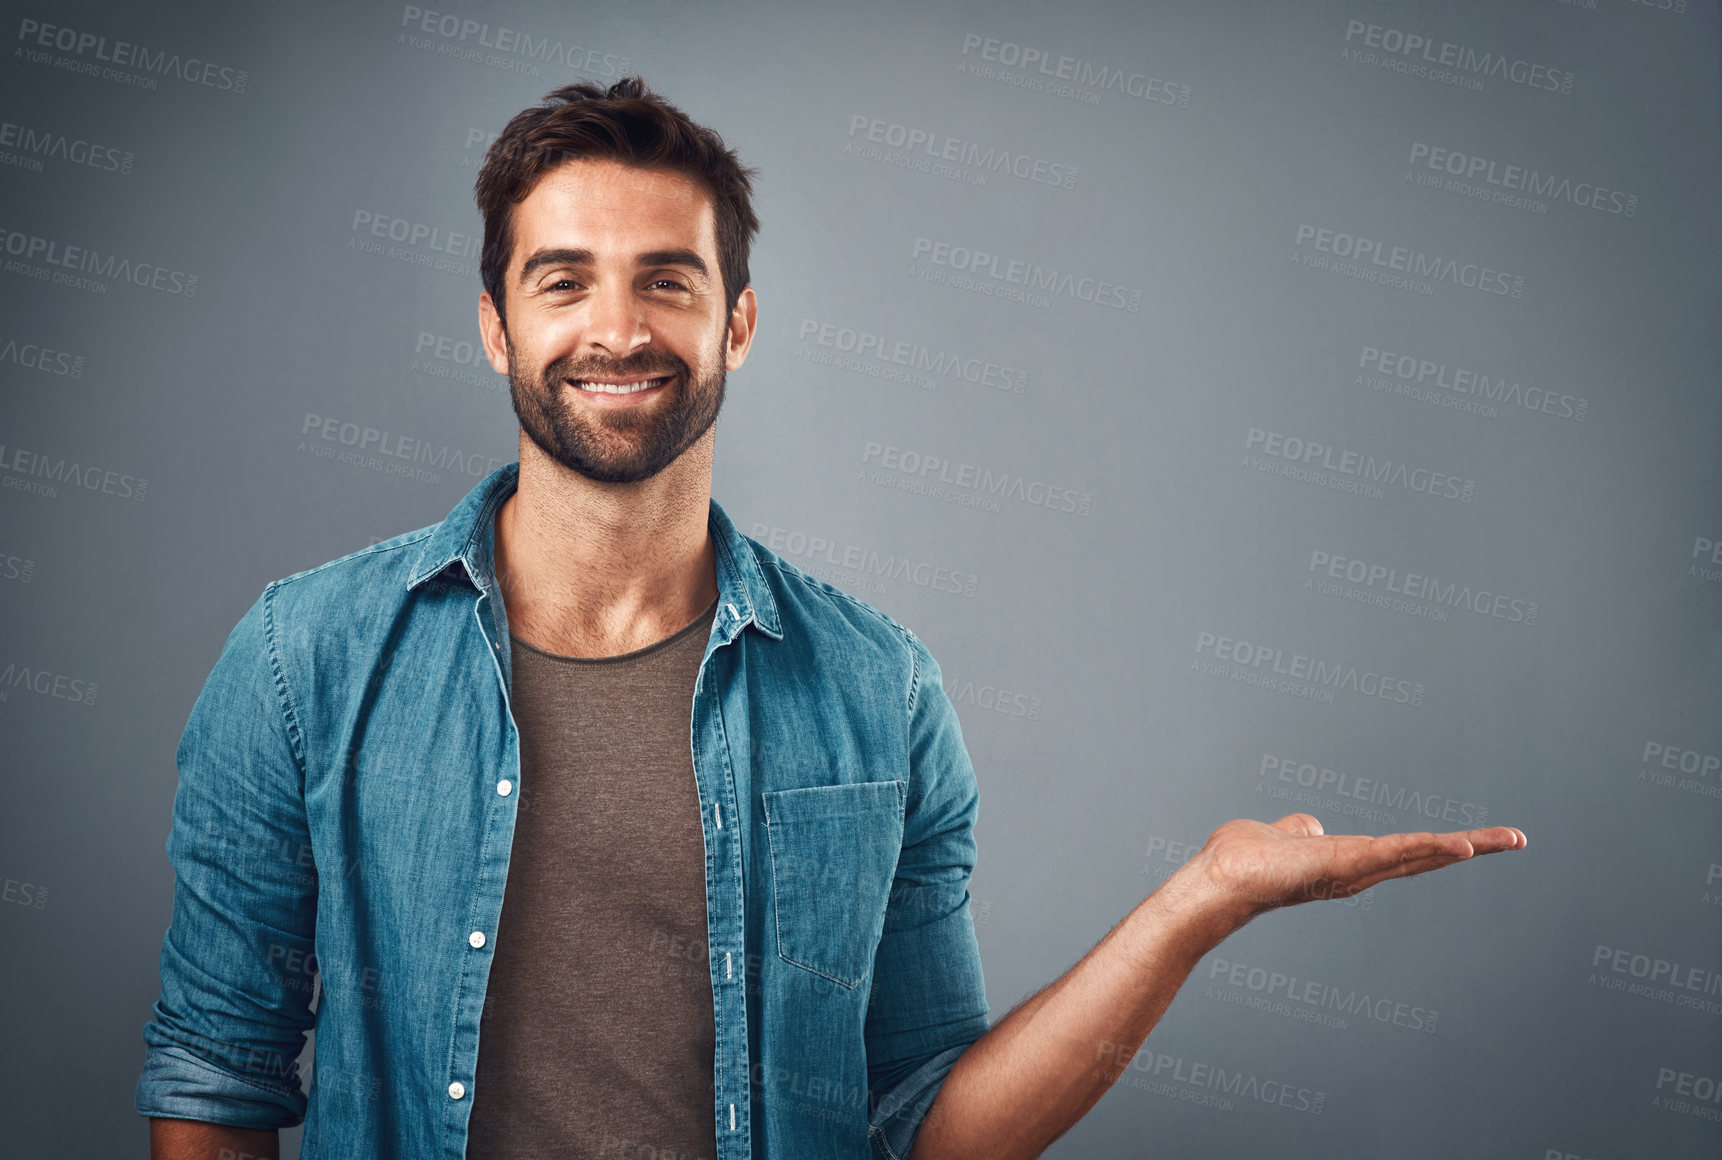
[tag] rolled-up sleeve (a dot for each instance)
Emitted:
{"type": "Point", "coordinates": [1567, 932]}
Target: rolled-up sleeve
{"type": "Point", "coordinates": [237, 971]}
{"type": "Point", "coordinates": [928, 1001]}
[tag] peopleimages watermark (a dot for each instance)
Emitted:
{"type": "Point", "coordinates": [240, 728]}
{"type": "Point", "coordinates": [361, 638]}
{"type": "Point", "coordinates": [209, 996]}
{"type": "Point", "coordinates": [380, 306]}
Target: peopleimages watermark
{"type": "Point", "coordinates": [997, 699]}
{"type": "Point", "coordinates": [19, 569]}
{"type": "Point", "coordinates": [1202, 1083]}
{"type": "Point", "coordinates": [510, 49]}
{"type": "Point", "coordinates": [137, 65]}
{"type": "Point", "coordinates": [1308, 1001]}
{"type": "Point", "coordinates": [1163, 857]}
{"type": "Point", "coordinates": [477, 147]}
{"type": "Point", "coordinates": [457, 360]}
{"type": "Point", "coordinates": [1706, 559]}
{"type": "Point", "coordinates": [25, 894]}
{"type": "Point", "coordinates": [419, 244]}
{"type": "Point", "coordinates": [853, 565]}
{"type": "Point", "coordinates": [1411, 592]}
{"type": "Point", "coordinates": [27, 470]}
{"type": "Point", "coordinates": [348, 1085]}
{"type": "Point", "coordinates": [1071, 78]}
{"type": "Point", "coordinates": [1298, 674]}
{"type": "Point", "coordinates": [1015, 279]}
{"type": "Point", "coordinates": [1461, 388]}
{"type": "Point", "coordinates": [389, 452]}
{"type": "Point", "coordinates": [1416, 54]}
{"type": "Point", "coordinates": [1677, 767]}
{"type": "Point", "coordinates": [1503, 183]}
{"type": "Point", "coordinates": [926, 150]}
{"type": "Point", "coordinates": [1688, 1093]}
{"type": "Point", "coordinates": [1327, 466]}
{"type": "Point", "coordinates": [37, 357]}
{"type": "Point", "coordinates": [85, 268]}
{"type": "Point", "coordinates": [45, 683]}
{"type": "Point", "coordinates": [877, 355]}
{"type": "Point", "coordinates": [1650, 977]}
{"type": "Point", "coordinates": [935, 476]}
{"type": "Point", "coordinates": [434, 238]}
{"type": "Point", "coordinates": [1389, 801]}
{"type": "Point", "coordinates": [1406, 267]}
{"type": "Point", "coordinates": [34, 146]}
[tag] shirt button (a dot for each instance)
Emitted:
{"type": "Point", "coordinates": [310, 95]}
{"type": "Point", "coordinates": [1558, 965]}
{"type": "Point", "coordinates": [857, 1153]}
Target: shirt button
{"type": "Point", "coordinates": [456, 1090]}
{"type": "Point", "coordinates": [476, 938]}
{"type": "Point", "coordinates": [505, 787]}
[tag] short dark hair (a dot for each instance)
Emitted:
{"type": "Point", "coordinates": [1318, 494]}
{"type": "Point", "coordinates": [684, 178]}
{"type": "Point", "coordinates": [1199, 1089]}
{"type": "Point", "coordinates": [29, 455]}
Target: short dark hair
{"type": "Point", "coordinates": [629, 123]}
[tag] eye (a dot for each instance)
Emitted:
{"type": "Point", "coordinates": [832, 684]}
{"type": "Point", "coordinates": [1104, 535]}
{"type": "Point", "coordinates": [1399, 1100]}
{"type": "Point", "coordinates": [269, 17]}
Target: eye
{"type": "Point", "coordinates": [562, 284]}
{"type": "Point", "coordinates": [670, 282]}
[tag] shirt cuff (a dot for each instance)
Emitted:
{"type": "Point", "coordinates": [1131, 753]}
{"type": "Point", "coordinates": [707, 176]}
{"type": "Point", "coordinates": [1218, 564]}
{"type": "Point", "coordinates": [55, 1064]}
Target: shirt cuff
{"type": "Point", "coordinates": [177, 1085]}
{"type": "Point", "coordinates": [895, 1121]}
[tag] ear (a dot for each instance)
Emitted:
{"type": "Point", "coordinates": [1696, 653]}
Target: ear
{"type": "Point", "coordinates": [741, 324]}
{"type": "Point", "coordinates": [494, 333]}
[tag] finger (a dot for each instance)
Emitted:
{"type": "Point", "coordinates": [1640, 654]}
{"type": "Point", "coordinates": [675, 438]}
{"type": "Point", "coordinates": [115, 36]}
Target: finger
{"type": "Point", "coordinates": [1485, 841]}
{"type": "Point", "coordinates": [1403, 870]}
{"type": "Point", "coordinates": [1301, 825]}
{"type": "Point", "coordinates": [1397, 849]}
{"type": "Point", "coordinates": [1495, 839]}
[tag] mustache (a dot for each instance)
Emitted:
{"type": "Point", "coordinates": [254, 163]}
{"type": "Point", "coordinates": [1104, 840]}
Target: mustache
{"type": "Point", "coordinates": [652, 365]}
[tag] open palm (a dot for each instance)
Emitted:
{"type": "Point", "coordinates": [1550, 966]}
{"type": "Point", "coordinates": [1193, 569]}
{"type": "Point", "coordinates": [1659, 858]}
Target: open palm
{"type": "Point", "coordinates": [1259, 867]}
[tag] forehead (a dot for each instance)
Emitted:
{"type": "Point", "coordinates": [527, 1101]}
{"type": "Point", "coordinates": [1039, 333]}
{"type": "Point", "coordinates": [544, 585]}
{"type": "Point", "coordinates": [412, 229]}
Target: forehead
{"type": "Point", "coordinates": [599, 204]}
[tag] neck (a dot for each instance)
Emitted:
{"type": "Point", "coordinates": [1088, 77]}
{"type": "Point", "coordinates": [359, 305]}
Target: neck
{"type": "Point", "coordinates": [594, 569]}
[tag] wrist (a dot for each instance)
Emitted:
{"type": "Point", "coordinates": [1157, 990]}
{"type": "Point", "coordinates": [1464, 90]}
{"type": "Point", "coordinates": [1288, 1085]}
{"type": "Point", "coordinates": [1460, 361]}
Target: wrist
{"type": "Point", "coordinates": [1190, 913]}
{"type": "Point", "coordinates": [1205, 902]}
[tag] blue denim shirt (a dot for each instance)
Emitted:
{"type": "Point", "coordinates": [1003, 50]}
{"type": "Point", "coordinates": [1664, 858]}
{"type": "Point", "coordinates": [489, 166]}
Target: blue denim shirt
{"type": "Point", "coordinates": [345, 811]}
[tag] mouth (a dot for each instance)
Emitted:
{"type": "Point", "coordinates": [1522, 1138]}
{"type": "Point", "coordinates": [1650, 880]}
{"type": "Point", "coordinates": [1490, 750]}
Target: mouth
{"type": "Point", "coordinates": [630, 390]}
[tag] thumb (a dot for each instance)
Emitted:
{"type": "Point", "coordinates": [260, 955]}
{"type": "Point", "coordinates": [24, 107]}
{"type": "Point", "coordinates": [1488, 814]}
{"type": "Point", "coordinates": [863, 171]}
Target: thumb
{"type": "Point", "coordinates": [1300, 825]}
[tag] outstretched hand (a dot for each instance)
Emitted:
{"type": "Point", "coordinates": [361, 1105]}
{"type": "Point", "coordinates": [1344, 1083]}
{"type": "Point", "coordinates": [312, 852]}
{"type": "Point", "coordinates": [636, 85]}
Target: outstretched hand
{"type": "Point", "coordinates": [1256, 867]}
{"type": "Point", "coordinates": [1040, 1069]}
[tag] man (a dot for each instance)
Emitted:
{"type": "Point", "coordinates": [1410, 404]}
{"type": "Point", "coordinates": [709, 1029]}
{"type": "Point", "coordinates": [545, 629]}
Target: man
{"type": "Point", "coordinates": [587, 826]}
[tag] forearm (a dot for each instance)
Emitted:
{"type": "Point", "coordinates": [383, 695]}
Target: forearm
{"type": "Point", "coordinates": [1028, 1079]}
{"type": "Point", "coordinates": [196, 1140]}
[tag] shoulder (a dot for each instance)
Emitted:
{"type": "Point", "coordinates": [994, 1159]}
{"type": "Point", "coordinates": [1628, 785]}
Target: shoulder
{"type": "Point", "coordinates": [831, 619]}
{"type": "Point", "coordinates": [396, 552]}
{"type": "Point", "coordinates": [342, 595]}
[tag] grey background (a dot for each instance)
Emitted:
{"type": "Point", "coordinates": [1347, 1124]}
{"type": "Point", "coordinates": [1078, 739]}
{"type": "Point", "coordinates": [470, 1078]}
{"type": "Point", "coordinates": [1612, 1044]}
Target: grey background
{"type": "Point", "coordinates": [1111, 742]}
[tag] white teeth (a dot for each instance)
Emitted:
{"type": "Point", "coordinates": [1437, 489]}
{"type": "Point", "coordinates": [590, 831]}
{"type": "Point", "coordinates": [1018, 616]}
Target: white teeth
{"type": "Point", "coordinates": [617, 388]}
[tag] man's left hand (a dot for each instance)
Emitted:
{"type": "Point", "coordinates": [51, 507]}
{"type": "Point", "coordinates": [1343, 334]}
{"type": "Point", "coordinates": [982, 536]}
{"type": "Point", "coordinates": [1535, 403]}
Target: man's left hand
{"type": "Point", "coordinates": [1251, 867]}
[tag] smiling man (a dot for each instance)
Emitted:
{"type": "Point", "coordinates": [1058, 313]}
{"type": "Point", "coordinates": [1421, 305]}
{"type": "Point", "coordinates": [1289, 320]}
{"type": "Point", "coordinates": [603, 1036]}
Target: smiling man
{"type": "Point", "coordinates": [580, 824]}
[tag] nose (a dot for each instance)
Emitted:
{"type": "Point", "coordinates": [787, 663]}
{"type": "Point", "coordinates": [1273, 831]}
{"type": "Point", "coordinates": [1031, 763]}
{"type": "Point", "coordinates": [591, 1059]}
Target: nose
{"type": "Point", "coordinates": [615, 320]}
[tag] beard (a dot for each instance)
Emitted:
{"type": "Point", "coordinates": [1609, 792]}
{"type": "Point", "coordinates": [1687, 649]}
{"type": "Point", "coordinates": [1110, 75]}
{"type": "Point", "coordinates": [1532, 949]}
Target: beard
{"type": "Point", "coordinates": [622, 445]}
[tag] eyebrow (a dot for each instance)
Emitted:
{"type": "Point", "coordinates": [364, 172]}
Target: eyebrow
{"type": "Point", "coordinates": [586, 258]}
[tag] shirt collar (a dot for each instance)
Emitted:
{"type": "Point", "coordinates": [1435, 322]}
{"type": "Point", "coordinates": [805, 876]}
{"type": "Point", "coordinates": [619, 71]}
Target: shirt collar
{"type": "Point", "coordinates": [467, 538]}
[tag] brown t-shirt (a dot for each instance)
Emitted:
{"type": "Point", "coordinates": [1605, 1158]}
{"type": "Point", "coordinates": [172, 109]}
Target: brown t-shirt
{"type": "Point", "coordinates": [597, 1037]}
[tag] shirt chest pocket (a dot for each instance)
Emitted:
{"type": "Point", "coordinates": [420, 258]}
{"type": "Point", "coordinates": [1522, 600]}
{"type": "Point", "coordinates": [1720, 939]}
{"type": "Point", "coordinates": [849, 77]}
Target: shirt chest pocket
{"type": "Point", "coordinates": [833, 855]}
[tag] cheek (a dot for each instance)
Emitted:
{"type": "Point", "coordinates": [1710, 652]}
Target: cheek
{"type": "Point", "coordinates": [544, 347]}
{"type": "Point", "coordinates": [697, 347]}
{"type": "Point", "coordinates": [719, 350]}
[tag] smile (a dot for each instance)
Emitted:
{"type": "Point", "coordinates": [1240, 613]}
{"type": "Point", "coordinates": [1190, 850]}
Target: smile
{"type": "Point", "coordinates": [620, 388]}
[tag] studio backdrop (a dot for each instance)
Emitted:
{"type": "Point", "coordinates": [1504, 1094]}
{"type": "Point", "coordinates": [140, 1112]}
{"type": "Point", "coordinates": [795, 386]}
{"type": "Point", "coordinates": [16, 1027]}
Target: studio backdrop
{"type": "Point", "coordinates": [1256, 407]}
